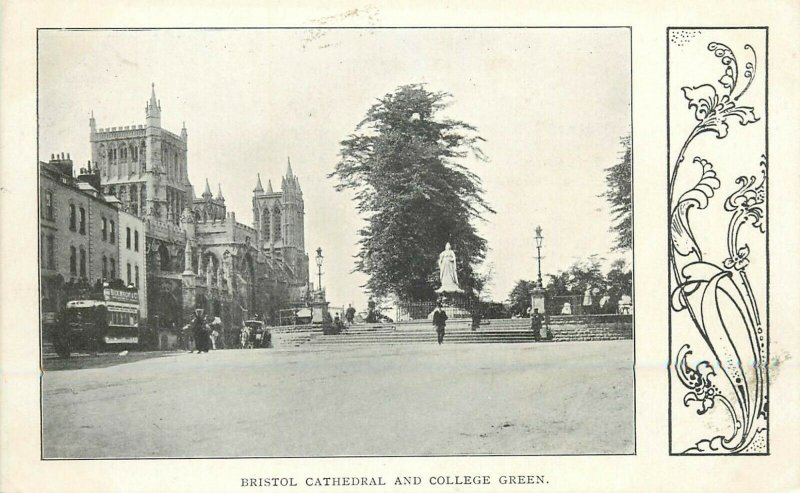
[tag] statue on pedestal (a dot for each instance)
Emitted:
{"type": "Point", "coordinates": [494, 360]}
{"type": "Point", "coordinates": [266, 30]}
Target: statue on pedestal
{"type": "Point", "coordinates": [448, 277]}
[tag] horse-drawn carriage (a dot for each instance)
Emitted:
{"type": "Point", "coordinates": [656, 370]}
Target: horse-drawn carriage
{"type": "Point", "coordinates": [255, 335]}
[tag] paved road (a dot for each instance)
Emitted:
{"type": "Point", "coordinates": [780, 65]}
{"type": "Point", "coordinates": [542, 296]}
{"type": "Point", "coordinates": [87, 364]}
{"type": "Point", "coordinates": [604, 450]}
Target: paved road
{"type": "Point", "coordinates": [376, 400]}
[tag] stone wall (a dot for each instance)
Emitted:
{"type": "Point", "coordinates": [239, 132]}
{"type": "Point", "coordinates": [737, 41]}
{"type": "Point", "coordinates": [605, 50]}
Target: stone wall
{"type": "Point", "coordinates": [591, 327]}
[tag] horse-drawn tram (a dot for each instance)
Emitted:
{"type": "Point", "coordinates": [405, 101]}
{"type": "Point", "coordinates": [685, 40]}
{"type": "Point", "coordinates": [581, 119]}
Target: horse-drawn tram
{"type": "Point", "coordinates": [97, 320]}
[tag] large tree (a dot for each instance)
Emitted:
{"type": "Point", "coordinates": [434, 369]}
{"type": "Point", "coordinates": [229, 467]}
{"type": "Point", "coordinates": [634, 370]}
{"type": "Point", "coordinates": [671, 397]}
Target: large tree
{"type": "Point", "coordinates": [405, 163]}
{"type": "Point", "coordinates": [519, 299]}
{"type": "Point", "coordinates": [618, 194]}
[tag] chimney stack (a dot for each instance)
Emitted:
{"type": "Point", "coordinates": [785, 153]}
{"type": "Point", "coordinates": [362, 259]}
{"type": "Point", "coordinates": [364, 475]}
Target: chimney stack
{"type": "Point", "coordinates": [62, 163]}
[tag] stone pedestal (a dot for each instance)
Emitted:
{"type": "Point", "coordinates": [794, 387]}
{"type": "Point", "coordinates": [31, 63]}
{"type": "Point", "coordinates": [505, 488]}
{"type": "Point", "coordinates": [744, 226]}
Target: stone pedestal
{"type": "Point", "coordinates": [538, 298]}
{"type": "Point", "coordinates": [318, 310]}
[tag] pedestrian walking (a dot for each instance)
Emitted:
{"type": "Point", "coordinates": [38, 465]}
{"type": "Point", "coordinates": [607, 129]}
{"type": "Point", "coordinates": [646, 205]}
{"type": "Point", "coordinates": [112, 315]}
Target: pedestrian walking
{"type": "Point", "coordinates": [439, 321]}
{"type": "Point", "coordinates": [350, 314]}
{"type": "Point", "coordinates": [476, 317]}
{"type": "Point", "coordinates": [200, 332]}
{"type": "Point", "coordinates": [536, 324]}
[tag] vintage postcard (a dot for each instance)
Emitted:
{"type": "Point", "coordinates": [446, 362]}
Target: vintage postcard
{"type": "Point", "coordinates": [361, 248]}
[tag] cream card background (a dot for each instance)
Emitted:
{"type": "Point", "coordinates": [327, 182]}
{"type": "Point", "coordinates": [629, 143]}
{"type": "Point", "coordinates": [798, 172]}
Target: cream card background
{"type": "Point", "coordinates": [652, 469]}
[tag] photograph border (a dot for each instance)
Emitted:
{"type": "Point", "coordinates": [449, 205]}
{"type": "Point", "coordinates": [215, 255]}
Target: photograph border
{"type": "Point", "coordinates": [629, 29]}
{"type": "Point", "coordinates": [670, 367]}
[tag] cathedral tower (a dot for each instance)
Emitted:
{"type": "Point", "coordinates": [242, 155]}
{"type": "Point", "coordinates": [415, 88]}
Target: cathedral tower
{"type": "Point", "coordinates": [144, 166]}
{"type": "Point", "coordinates": [278, 218]}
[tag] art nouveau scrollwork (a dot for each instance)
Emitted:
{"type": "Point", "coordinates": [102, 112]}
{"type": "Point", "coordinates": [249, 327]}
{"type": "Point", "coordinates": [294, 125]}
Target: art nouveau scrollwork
{"type": "Point", "coordinates": [716, 293]}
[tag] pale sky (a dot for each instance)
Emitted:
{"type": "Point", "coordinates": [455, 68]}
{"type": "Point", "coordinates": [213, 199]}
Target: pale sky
{"type": "Point", "coordinates": [551, 104]}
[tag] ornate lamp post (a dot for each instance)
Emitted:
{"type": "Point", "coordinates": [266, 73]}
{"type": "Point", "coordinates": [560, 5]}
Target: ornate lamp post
{"type": "Point", "coordinates": [539, 239]}
{"type": "Point", "coordinates": [319, 267]}
{"type": "Point", "coordinates": [538, 294]}
{"type": "Point", "coordinates": [319, 307]}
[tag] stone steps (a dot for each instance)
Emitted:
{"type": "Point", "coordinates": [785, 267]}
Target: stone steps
{"type": "Point", "coordinates": [459, 331]}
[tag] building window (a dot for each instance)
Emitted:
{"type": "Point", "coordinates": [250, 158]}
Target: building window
{"type": "Point", "coordinates": [276, 224]}
{"type": "Point", "coordinates": [129, 273]}
{"type": "Point", "coordinates": [105, 229]}
{"type": "Point", "coordinates": [112, 233]}
{"type": "Point", "coordinates": [83, 221]}
{"type": "Point", "coordinates": [73, 261]}
{"type": "Point", "coordinates": [83, 262]}
{"type": "Point", "coordinates": [133, 196]}
{"type": "Point", "coordinates": [136, 240]}
{"type": "Point", "coordinates": [105, 267]}
{"type": "Point", "coordinates": [136, 271]}
{"type": "Point", "coordinates": [128, 238]}
{"type": "Point", "coordinates": [51, 253]}
{"type": "Point", "coordinates": [123, 153]}
{"type": "Point", "coordinates": [112, 267]}
{"type": "Point", "coordinates": [72, 219]}
{"type": "Point", "coordinates": [48, 205]}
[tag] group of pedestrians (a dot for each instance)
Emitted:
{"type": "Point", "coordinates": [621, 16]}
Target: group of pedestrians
{"type": "Point", "coordinates": [349, 317]}
{"type": "Point", "coordinates": [440, 322]}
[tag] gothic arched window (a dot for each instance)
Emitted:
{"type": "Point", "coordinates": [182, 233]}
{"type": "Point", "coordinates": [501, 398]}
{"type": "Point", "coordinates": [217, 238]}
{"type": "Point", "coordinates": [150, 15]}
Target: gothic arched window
{"type": "Point", "coordinates": [265, 224]}
{"type": "Point", "coordinates": [276, 223]}
{"type": "Point", "coordinates": [210, 266]}
{"type": "Point", "coordinates": [143, 150]}
{"type": "Point", "coordinates": [134, 198]}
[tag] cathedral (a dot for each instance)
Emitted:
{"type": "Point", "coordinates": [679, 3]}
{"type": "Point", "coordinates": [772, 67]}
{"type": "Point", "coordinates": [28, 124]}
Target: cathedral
{"type": "Point", "coordinates": [197, 253]}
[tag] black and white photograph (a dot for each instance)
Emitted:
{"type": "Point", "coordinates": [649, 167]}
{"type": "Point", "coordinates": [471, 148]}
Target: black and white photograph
{"type": "Point", "coordinates": [335, 242]}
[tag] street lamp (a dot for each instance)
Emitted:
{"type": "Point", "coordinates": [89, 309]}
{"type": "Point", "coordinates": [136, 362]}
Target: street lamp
{"type": "Point", "coordinates": [539, 239]}
{"type": "Point", "coordinates": [319, 266]}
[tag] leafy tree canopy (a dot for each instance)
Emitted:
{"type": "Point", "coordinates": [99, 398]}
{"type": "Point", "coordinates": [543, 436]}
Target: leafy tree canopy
{"type": "Point", "coordinates": [405, 163]}
{"type": "Point", "coordinates": [520, 297]}
{"type": "Point", "coordinates": [587, 273]}
{"type": "Point", "coordinates": [618, 194]}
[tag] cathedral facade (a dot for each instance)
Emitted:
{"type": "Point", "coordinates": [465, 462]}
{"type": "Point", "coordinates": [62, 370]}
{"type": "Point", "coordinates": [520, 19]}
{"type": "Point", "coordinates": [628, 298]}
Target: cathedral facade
{"type": "Point", "coordinates": [197, 253]}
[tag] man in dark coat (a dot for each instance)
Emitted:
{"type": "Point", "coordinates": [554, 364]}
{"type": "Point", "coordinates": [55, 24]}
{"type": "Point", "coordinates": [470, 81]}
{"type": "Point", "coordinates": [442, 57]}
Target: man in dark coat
{"type": "Point", "coordinates": [201, 339]}
{"type": "Point", "coordinates": [439, 319]}
{"type": "Point", "coordinates": [536, 324]}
